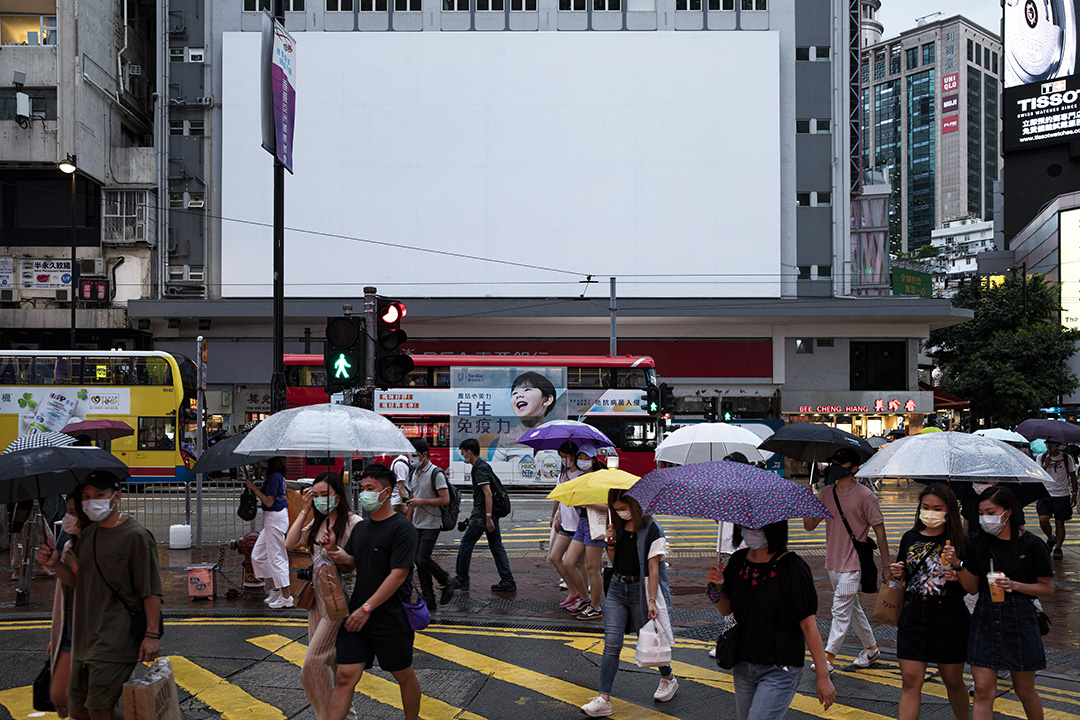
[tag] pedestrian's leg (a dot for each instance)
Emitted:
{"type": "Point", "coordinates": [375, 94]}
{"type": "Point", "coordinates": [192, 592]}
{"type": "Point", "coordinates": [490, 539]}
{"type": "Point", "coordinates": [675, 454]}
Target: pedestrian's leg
{"type": "Point", "coordinates": [744, 681]}
{"type": "Point", "coordinates": [862, 626]}
{"type": "Point", "coordinates": [844, 597]}
{"type": "Point", "coordinates": [775, 689]}
{"type": "Point", "coordinates": [472, 533]}
{"type": "Point", "coordinates": [593, 558]}
{"type": "Point", "coordinates": [985, 692]}
{"type": "Point", "coordinates": [1024, 687]}
{"type": "Point", "coordinates": [559, 546]}
{"type": "Point", "coordinates": [426, 567]}
{"type": "Point", "coordinates": [59, 684]}
{"type": "Point", "coordinates": [410, 692]}
{"type": "Point", "coordinates": [952, 676]}
{"type": "Point", "coordinates": [616, 613]}
{"type": "Point", "coordinates": [318, 673]}
{"type": "Point", "coordinates": [498, 552]}
{"type": "Point", "coordinates": [912, 675]}
{"type": "Point", "coordinates": [344, 686]}
{"type": "Point", "coordinates": [1059, 539]}
{"type": "Point", "coordinates": [1044, 524]}
{"type": "Point", "coordinates": [275, 528]}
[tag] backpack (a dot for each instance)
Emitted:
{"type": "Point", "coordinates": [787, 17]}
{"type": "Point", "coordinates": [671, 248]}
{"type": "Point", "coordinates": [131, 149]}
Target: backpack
{"type": "Point", "coordinates": [449, 511]}
{"type": "Point", "coordinates": [500, 501]}
{"type": "Point", "coordinates": [408, 477]}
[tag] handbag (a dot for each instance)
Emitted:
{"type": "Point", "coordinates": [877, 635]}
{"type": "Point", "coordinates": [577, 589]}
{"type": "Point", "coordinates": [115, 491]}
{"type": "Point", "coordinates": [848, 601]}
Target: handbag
{"type": "Point", "coordinates": [306, 597]}
{"type": "Point", "coordinates": [418, 613]}
{"type": "Point", "coordinates": [249, 505]}
{"type": "Point", "coordinates": [890, 601]}
{"type": "Point", "coordinates": [42, 686]}
{"type": "Point", "coordinates": [653, 646]}
{"type": "Point", "coordinates": [136, 616]}
{"type": "Point", "coordinates": [727, 646]}
{"type": "Point", "coordinates": [864, 549]}
{"type": "Point", "coordinates": [1044, 622]}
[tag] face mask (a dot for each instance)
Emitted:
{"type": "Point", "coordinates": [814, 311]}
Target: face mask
{"type": "Point", "coordinates": [325, 505]}
{"type": "Point", "coordinates": [98, 510]}
{"type": "Point", "coordinates": [980, 488]}
{"type": "Point", "coordinates": [755, 539]}
{"type": "Point", "coordinates": [932, 518]}
{"type": "Point", "coordinates": [992, 524]}
{"type": "Point", "coordinates": [585, 465]}
{"type": "Point", "coordinates": [836, 472]}
{"type": "Point", "coordinates": [624, 514]}
{"type": "Point", "coordinates": [369, 500]}
{"type": "Point", "coordinates": [70, 523]}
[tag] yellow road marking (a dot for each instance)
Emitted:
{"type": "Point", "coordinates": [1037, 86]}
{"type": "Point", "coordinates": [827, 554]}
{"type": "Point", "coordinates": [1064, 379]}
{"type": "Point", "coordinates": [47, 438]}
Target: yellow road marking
{"type": "Point", "coordinates": [18, 701]}
{"type": "Point", "coordinates": [221, 695]}
{"type": "Point", "coordinates": [372, 686]}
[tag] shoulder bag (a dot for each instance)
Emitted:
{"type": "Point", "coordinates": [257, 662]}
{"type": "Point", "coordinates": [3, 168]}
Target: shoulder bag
{"type": "Point", "coordinates": [42, 701]}
{"type": "Point", "coordinates": [137, 616]}
{"type": "Point", "coordinates": [864, 549]}
{"type": "Point", "coordinates": [249, 505]}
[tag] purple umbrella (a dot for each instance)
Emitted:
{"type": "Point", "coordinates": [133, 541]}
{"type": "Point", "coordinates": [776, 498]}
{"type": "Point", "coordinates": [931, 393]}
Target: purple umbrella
{"type": "Point", "coordinates": [1057, 430]}
{"type": "Point", "coordinates": [726, 491]}
{"type": "Point", "coordinates": [551, 435]}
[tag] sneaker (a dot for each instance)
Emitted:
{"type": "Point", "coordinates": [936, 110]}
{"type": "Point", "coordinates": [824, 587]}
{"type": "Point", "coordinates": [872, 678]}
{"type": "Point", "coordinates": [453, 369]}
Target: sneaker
{"type": "Point", "coordinates": [712, 654]}
{"type": "Point", "coordinates": [597, 707]}
{"type": "Point", "coordinates": [1050, 543]}
{"type": "Point", "coordinates": [449, 587]}
{"type": "Point", "coordinates": [274, 595]}
{"type": "Point", "coordinates": [562, 584]}
{"type": "Point", "coordinates": [576, 607]}
{"type": "Point", "coordinates": [429, 600]}
{"type": "Point", "coordinates": [866, 658]}
{"type": "Point", "coordinates": [1058, 555]}
{"type": "Point", "coordinates": [813, 666]}
{"type": "Point", "coordinates": [281, 602]}
{"type": "Point", "coordinates": [590, 613]}
{"type": "Point", "coordinates": [507, 586]}
{"type": "Point", "coordinates": [666, 690]}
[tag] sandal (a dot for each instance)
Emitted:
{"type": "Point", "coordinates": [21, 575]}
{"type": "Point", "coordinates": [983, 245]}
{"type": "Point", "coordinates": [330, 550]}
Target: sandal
{"type": "Point", "coordinates": [571, 601]}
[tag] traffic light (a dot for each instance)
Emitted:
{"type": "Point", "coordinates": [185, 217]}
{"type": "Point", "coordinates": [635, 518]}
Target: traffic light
{"type": "Point", "coordinates": [667, 397]}
{"type": "Point", "coordinates": [652, 400]}
{"type": "Point", "coordinates": [391, 364]}
{"type": "Point", "coordinates": [728, 411]}
{"type": "Point", "coordinates": [343, 353]}
{"type": "Point", "coordinates": [710, 409]}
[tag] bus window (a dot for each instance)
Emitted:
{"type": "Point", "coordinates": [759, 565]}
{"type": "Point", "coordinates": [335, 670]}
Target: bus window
{"type": "Point", "coordinates": [434, 431]}
{"type": "Point", "coordinates": [100, 371]}
{"type": "Point", "coordinates": [417, 377]}
{"type": "Point", "coordinates": [637, 378]}
{"type": "Point", "coordinates": [157, 433]}
{"type": "Point", "coordinates": [639, 436]}
{"type": "Point", "coordinates": [442, 376]}
{"type": "Point", "coordinates": [45, 371]}
{"type": "Point", "coordinates": [151, 371]}
{"type": "Point", "coordinates": [304, 376]}
{"type": "Point", "coordinates": [9, 370]}
{"type": "Point", "coordinates": [587, 377]}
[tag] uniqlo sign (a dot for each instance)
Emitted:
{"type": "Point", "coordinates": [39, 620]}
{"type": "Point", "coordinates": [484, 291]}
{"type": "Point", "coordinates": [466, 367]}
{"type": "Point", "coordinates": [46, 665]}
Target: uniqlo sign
{"type": "Point", "coordinates": [950, 82]}
{"type": "Point", "coordinates": [950, 124]}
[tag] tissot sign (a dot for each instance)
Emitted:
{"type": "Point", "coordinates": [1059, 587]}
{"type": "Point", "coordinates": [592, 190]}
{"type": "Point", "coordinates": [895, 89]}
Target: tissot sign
{"type": "Point", "coordinates": [865, 403]}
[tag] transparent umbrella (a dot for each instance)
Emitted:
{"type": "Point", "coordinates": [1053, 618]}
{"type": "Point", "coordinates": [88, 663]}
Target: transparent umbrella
{"type": "Point", "coordinates": [324, 430]}
{"type": "Point", "coordinates": [945, 456]}
{"type": "Point", "coordinates": [1003, 435]}
{"type": "Point", "coordinates": [707, 442]}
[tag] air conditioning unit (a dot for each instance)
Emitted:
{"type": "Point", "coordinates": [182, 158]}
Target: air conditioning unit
{"type": "Point", "coordinates": [9, 294]}
{"type": "Point", "coordinates": [196, 203]}
{"type": "Point", "coordinates": [134, 70]}
{"type": "Point", "coordinates": [63, 295]}
{"type": "Point", "coordinates": [89, 267]}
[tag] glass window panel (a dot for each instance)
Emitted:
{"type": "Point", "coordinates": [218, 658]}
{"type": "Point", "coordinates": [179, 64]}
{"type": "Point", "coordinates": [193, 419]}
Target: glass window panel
{"type": "Point", "coordinates": [156, 433]}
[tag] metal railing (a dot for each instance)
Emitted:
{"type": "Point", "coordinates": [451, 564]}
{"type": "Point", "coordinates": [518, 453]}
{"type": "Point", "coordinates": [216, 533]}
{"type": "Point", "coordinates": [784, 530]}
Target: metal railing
{"type": "Point", "coordinates": [157, 507]}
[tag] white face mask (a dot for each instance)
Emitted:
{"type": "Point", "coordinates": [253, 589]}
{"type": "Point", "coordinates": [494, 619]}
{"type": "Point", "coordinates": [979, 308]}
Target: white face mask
{"type": "Point", "coordinates": [932, 518]}
{"type": "Point", "coordinates": [624, 514]}
{"type": "Point", "coordinates": [99, 509]}
{"type": "Point", "coordinates": [980, 488]}
{"type": "Point", "coordinates": [70, 524]}
{"type": "Point", "coordinates": [585, 465]}
{"type": "Point", "coordinates": [755, 539]}
{"type": "Point", "coordinates": [992, 524]}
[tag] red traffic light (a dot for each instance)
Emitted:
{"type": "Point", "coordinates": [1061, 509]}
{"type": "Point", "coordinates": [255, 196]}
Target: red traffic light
{"type": "Point", "coordinates": [393, 313]}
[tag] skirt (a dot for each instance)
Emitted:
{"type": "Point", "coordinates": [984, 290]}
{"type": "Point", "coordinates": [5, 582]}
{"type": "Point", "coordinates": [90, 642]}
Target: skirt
{"type": "Point", "coordinates": [1005, 635]}
{"type": "Point", "coordinates": [933, 630]}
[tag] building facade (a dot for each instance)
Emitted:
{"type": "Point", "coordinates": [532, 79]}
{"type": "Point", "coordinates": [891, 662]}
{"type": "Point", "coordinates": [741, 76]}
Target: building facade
{"type": "Point", "coordinates": [958, 244]}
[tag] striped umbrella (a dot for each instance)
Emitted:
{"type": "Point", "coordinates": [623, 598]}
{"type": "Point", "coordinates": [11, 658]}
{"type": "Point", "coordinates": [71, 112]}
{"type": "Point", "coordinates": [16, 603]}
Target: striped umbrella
{"type": "Point", "coordinates": [39, 440]}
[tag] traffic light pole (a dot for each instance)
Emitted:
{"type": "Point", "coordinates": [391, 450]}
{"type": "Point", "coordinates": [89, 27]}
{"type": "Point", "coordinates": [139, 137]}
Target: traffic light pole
{"type": "Point", "coordinates": [367, 391]}
{"type": "Point", "coordinates": [277, 381]}
{"type": "Point", "coordinates": [613, 310]}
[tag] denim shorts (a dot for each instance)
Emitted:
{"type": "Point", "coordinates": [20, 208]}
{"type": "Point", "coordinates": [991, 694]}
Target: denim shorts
{"type": "Point", "coordinates": [1005, 635]}
{"type": "Point", "coordinates": [584, 536]}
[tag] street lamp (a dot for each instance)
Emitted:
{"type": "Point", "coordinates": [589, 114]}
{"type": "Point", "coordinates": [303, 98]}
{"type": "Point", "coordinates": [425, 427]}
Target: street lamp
{"type": "Point", "coordinates": [67, 165]}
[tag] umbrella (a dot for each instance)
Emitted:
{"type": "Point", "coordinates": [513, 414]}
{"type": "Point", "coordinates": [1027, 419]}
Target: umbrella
{"type": "Point", "coordinates": [877, 441]}
{"type": "Point", "coordinates": [930, 429]}
{"type": "Point", "coordinates": [1003, 435]}
{"type": "Point", "coordinates": [222, 455]}
{"type": "Point", "coordinates": [39, 440]}
{"type": "Point", "coordinates": [1056, 430]}
{"type": "Point", "coordinates": [1037, 446]}
{"type": "Point", "coordinates": [324, 430]}
{"type": "Point", "coordinates": [707, 442]}
{"type": "Point", "coordinates": [814, 442]}
{"type": "Point", "coordinates": [592, 488]}
{"type": "Point", "coordinates": [944, 456]}
{"type": "Point", "coordinates": [100, 429]}
{"type": "Point", "coordinates": [551, 435]}
{"type": "Point", "coordinates": [726, 491]}
{"type": "Point", "coordinates": [45, 471]}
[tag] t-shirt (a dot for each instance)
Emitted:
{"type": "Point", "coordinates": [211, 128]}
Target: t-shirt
{"type": "Point", "coordinates": [379, 546]}
{"type": "Point", "coordinates": [769, 600]}
{"type": "Point", "coordinates": [273, 486]}
{"type": "Point", "coordinates": [568, 514]}
{"type": "Point", "coordinates": [1058, 468]}
{"type": "Point", "coordinates": [862, 511]}
{"type": "Point", "coordinates": [1024, 559]}
{"type": "Point", "coordinates": [426, 484]}
{"type": "Point", "coordinates": [481, 474]}
{"type": "Point", "coordinates": [626, 560]}
{"type": "Point", "coordinates": [128, 560]}
{"type": "Point", "coordinates": [924, 573]}
{"type": "Point", "coordinates": [402, 472]}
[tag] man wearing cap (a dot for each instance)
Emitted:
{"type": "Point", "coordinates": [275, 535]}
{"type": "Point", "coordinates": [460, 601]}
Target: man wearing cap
{"type": "Point", "coordinates": [1062, 489]}
{"type": "Point", "coordinates": [117, 576]}
{"type": "Point", "coordinates": [862, 511]}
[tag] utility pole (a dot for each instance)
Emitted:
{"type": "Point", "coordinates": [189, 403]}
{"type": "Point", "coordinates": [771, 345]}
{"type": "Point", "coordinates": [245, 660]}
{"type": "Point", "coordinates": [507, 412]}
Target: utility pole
{"type": "Point", "coordinates": [613, 310]}
{"type": "Point", "coordinates": [367, 392]}
{"type": "Point", "coordinates": [277, 382]}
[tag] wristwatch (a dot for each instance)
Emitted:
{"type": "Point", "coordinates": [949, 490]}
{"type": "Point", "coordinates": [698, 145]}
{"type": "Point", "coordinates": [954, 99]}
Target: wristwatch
{"type": "Point", "coordinates": [959, 567]}
{"type": "Point", "coordinates": [366, 607]}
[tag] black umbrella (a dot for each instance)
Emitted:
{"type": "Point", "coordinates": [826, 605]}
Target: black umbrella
{"type": "Point", "coordinates": [222, 456]}
{"type": "Point", "coordinates": [1057, 430]}
{"type": "Point", "coordinates": [814, 442]}
{"type": "Point", "coordinates": [46, 471]}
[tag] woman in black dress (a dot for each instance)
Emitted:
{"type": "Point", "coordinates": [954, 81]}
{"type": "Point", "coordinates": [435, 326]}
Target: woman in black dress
{"type": "Point", "coordinates": [1005, 633]}
{"type": "Point", "coordinates": [933, 626]}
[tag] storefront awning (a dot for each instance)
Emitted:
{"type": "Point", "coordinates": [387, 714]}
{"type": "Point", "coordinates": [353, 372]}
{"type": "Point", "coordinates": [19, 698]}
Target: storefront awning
{"type": "Point", "coordinates": [944, 400]}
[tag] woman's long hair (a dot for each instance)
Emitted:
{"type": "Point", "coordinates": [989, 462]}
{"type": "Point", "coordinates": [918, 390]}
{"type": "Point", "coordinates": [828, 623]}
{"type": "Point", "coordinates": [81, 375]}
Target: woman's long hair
{"type": "Point", "coordinates": [333, 481]}
{"type": "Point", "coordinates": [639, 520]}
{"type": "Point", "coordinates": [954, 529]}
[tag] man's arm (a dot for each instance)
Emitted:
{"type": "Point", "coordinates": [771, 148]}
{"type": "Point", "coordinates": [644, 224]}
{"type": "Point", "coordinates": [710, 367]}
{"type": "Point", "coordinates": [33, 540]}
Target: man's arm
{"type": "Point", "coordinates": [883, 547]}
{"type": "Point", "coordinates": [151, 644]}
{"type": "Point", "coordinates": [488, 505]}
{"type": "Point", "coordinates": [810, 524]}
{"type": "Point", "coordinates": [388, 587]}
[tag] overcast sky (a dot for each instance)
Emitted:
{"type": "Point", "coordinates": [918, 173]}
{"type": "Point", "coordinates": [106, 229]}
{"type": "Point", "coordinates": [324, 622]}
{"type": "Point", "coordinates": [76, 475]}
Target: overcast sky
{"type": "Point", "coordinates": [900, 15]}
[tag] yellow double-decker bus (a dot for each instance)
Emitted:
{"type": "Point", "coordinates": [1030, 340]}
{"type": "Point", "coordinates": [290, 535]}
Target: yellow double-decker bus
{"type": "Point", "coordinates": [150, 391]}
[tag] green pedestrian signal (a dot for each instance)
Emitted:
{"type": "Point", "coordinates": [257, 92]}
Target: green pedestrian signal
{"type": "Point", "coordinates": [343, 353]}
{"type": "Point", "coordinates": [342, 367]}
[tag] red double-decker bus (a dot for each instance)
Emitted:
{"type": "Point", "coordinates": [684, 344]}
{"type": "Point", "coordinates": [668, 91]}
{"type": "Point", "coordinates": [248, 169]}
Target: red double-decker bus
{"type": "Point", "coordinates": [497, 398]}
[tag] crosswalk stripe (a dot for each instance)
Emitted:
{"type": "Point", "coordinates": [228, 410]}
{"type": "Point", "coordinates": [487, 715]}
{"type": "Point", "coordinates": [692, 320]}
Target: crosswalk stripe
{"type": "Point", "coordinates": [19, 702]}
{"type": "Point", "coordinates": [372, 686]}
{"type": "Point", "coordinates": [534, 681]}
{"type": "Point", "coordinates": [221, 695]}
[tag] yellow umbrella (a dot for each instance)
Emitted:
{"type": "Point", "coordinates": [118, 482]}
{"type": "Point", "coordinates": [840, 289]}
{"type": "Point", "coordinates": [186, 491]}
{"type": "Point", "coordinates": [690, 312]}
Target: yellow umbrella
{"type": "Point", "coordinates": [930, 429]}
{"type": "Point", "coordinates": [592, 488]}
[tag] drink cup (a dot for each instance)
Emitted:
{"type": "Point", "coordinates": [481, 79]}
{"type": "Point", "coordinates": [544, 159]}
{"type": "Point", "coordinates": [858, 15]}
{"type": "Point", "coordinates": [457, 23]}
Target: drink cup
{"type": "Point", "coordinates": [997, 594]}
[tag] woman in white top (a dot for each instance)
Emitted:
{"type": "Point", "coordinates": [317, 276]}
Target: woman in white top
{"type": "Point", "coordinates": [564, 522]}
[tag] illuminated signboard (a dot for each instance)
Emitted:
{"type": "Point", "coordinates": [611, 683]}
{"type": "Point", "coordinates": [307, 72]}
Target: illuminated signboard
{"type": "Point", "coordinates": [1070, 267]}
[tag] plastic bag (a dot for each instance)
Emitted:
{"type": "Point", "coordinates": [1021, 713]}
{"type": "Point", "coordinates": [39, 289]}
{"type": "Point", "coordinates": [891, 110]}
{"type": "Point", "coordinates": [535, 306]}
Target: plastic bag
{"type": "Point", "coordinates": [330, 594]}
{"type": "Point", "coordinates": [653, 646]}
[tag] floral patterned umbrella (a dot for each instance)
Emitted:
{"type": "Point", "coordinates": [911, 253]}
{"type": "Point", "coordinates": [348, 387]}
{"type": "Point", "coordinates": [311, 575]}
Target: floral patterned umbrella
{"type": "Point", "coordinates": [726, 491]}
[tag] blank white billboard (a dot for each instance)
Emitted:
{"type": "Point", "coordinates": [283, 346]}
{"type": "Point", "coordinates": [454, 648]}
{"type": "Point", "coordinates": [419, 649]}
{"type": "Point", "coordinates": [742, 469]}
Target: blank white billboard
{"type": "Point", "coordinates": [526, 160]}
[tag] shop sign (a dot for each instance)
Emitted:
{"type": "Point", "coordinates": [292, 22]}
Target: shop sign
{"type": "Point", "coordinates": [847, 403]}
{"type": "Point", "coordinates": [912, 282]}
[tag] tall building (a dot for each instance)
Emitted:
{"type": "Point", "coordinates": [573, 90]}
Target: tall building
{"type": "Point", "coordinates": [930, 117]}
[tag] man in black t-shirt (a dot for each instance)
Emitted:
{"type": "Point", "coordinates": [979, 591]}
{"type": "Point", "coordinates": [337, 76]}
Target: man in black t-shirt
{"type": "Point", "coordinates": [383, 548]}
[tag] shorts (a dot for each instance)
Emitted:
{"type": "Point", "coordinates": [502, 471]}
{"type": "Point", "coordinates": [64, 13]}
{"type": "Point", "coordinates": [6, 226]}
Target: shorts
{"type": "Point", "coordinates": [394, 652]}
{"type": "Point", "coordinates": [584, 536]}
{"type": "Point", "coordinates": [1056, 507]}
{"type": "Point", "coordinates": [97, 684]}
{"type": "Point", "coordinates": [566, 533]}
{"type": "Point", "coordinates": [65, 636]}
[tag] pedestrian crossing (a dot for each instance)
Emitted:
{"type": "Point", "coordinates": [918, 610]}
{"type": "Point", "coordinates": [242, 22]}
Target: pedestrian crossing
{"type": "Point", "coordinates": [497, 673]}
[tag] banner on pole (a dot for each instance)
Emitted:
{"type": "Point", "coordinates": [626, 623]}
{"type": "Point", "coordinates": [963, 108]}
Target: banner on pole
{"type": "Point", "coordinates": [278, 90]}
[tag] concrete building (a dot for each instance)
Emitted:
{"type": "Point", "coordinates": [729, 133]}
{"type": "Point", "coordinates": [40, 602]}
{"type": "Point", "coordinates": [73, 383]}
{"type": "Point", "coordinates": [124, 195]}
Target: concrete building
{"type": "Point", "coordinates": [930, 100]}
{"type": "Point", "coordinates": [959, 243]}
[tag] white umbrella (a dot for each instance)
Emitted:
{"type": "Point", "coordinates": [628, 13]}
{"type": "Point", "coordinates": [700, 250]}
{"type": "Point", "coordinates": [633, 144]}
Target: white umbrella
{"type": "Point", "coordinates": [708, 442]}
{"type": "Point", "coordinates": [944, 456]}
{"type": "Point", "coordinates": [1003, 435]}
{"type": "Point", "coordinates": [325, 430]}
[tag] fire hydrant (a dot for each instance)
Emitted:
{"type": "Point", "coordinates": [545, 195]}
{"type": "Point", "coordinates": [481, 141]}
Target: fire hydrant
{"type": "Point", "coordinates": [244, 546]}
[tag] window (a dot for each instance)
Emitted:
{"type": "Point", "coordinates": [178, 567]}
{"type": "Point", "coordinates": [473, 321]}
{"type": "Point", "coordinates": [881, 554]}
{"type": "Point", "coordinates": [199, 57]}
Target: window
{"type": "Point", "coordinates": [339, 5]}
{"type": "Point", "coordinates": [521, 6]}
{"type": "Point", "coordinates": [127, 216]}
{"type": "Point", "coordinates": [804, 346]}
{"type": "Point", "coordinates": [463, 5]}
{"type": "Point", "coordinates": [912, 58]}
{"type": "Point", "coordinates": [821, 53]}
{"type": "Point", "coordinates": [879, 68]}
{"type": "Point", "coordinates": [176, 127]}
{"type": "Point", "coordinates": [176, 200]}
{"type": "Point", "coordinates": [878, 365]}
{"type": "Point", "coordinates": [157, 433]}
{"type": "Point", "coordinates": [978, 54]}
{"type": "Point", "coordinates": [824, 271]}
{"type": "Point", "coordinates": [802, 199]}
{"type": "Point", "coordinates": [688, 5]}
{"type": "Point", "coordinates": [986, 58]}
{"type": "Point", "coordinates": [176, 272]}
{"type": "Point", "coordinates": [824, 342]}
{"type": "Point", "coordinates": [408, 5]}
{"type": "Point", "coordinates": [971, 50]}
{"type": "Point", "coordinates": [802, 54]}
{"type": "Point", "coordinates": [607, 5]}
{"type": "Point", "coordinates": [376, 6]}
{"type": "Point", "coordinates": [489, 5]}
{"type": "Point", "coordinates": [993, 57]}
{"type": "Point", "coordinates": [195, 127]}
{"type": "Point", "coordinates": [894, 60]}
{"type": "Point", "coordinates": [587, 377]}
{"type": "Point", "coordinates": [256, 5]}
{"type": "Point", "coordinates": [802, 127]}
{"type": "Point", "coordinates": [822, 126]}
{"type": "Point", "coordinates": [176, 54]}
{"type": "Point", "coordinates": [42, 103]}
{"type": "Point", "coordinates": [725, 5]}
{"type": "Point", "coordinates": [824, 199]}
{"type": "Point", "coordinates": [30, 30]}
{"type": "Point", "coordinates": [928, 54]}
{"type": "Point", "coordinates": [196, 55]}
{"type": "Point", "coordinates": [195, 272]}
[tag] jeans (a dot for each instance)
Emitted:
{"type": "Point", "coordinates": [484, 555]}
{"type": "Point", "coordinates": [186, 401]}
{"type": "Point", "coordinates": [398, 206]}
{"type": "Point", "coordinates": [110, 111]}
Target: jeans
{"type": "Point", "coordinates": [764, 692]}
{"type": "Point", "coordinates": [476, 528]}
{"type": "Point", "coordinates": [426, 568]}
{"type": "Point", "coordinates": [622, 601]}
{"type": "Point", "coordinates": [847, 611]}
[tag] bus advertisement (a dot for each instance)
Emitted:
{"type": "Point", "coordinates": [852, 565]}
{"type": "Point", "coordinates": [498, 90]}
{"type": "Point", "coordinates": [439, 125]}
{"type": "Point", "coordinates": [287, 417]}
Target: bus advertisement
{"type": "Point", "coordinates": [497, 399]}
